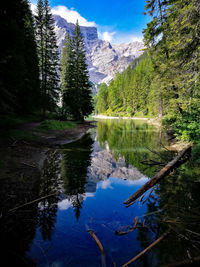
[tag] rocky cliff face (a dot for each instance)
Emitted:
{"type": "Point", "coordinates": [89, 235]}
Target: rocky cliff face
{"type": "Point", "coordinates": [104, 60]}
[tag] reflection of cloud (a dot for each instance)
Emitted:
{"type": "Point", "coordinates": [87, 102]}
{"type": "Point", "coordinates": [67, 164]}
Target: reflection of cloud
{"type": "Point", "coordinates": [104, 184]}
{"type": "Point", "coordinates": [140, 181]}
{"type": "Point", "coordinates": [65, 204]}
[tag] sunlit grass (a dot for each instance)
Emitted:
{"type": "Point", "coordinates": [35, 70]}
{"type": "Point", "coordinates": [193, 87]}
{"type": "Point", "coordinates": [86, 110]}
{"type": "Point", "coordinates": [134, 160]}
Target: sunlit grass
{"type": "Point", "coordinates": [56, 125]}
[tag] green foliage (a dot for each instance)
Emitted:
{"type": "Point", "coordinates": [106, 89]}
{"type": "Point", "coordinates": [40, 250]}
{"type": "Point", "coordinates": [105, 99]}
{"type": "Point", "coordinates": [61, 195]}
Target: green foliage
{"type": "Point", "coordinates": [196, 153]}
{"type": "Point", "coordinates": [128, 93]}
{"type": "Point", "coordinates": [165, 81]}
{"type": "Point", "coordinates": [56, 125]}
{"type": "Point", "coordinates": [19, 75]}
{"type": "Point", "coordinates": [76, 88]}
{"type": "Point", "coordinates": [48, 56]}
{"type": "Point", "coordinates": [102, 99]}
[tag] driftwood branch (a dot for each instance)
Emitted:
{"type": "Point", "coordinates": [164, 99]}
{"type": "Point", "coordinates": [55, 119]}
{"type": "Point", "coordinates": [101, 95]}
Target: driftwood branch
{"type": "Point", "coordinates": [131, 228]}
{"type": "Point", "coordinates": [29, 165]}
{"type": "Point", "coordinates": [161, 174]}
{"type": "Point", "coordinates": [32, 202]}
{"type": "Point", "coordinates": [96, 241]}
{"type": "Point", "coordinates": [146, 249]}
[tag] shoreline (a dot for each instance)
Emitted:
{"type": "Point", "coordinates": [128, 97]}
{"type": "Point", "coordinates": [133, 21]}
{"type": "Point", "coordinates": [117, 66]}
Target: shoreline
{"type": "Point", "coordinates": [154, 121]}
{"type": "Point", "coordinates": [123, 118]}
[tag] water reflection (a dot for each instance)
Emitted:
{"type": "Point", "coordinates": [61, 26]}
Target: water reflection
{"type": "Point", "coordinates": [50, 181]}
{"type": "Point", "coordinates": [133, 140]}
{"type": "Point", "coordinates": [92, 178]}
{"type": "Point", "coordinates": [75, 162]}
{"type": "Point", "coordinates": [177, 199]}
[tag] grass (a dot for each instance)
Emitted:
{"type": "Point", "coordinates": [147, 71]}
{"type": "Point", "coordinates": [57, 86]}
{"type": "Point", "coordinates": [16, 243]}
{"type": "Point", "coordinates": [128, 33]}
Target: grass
{"type": "Point", "coordinates": [56, 125]}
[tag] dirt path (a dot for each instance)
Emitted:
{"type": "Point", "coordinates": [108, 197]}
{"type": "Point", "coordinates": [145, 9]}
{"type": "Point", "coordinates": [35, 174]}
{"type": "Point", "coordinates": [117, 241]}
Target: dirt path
{"type": "Point", "coordinates": [53, 138]}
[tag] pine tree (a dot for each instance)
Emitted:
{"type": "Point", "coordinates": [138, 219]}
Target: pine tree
{"type": "Point", "coordinates": [102, 100]}
{"type": "Point", "coordinates": [19, 74]}
{"type": "Point", "coordinates": [48, 56]}
{"type": "Point", "coordinates": [68, 78]}
{"type": "Point", "coordinates": [76, 90]}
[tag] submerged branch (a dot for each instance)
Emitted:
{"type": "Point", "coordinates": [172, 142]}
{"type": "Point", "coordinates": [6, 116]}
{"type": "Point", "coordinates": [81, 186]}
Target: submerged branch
{"type": "Point", "coordinates": [146, 249]}
{"type": "Point", "coordinates": [96, 240]}
{"type": "Point", "coordinates": [161, 174]}
{"type": "Point", "coordinates": [32, 202]}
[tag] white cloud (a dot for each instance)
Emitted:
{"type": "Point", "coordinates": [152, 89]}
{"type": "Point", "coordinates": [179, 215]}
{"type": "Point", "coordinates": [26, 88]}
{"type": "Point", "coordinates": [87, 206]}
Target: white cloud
{"type": "Point", "coordinates": [107, 36]}
{"type": "Point", "coordinates": [105, 33]}
{"type": "Point", "coordinates": [33, 7]}
{"type": "Point", "coordinates": [71, 16]}
{"type": "Point", "coordinates": [127, 38]}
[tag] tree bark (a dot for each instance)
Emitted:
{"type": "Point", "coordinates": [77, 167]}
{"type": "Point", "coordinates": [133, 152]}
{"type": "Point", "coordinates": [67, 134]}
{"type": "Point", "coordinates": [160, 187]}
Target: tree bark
{"type": "Point", "coordinates": [161, 174]}
{"type": "Point", "coordinates": [146, 249]}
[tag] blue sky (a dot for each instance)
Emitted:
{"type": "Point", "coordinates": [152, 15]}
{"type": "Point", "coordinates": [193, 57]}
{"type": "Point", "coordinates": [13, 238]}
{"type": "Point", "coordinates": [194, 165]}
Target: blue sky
{"type": "Point", "coordinates": [117, 21]}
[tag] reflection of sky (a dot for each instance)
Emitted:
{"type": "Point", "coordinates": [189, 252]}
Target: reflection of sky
{"type": "Point", "coordinates": [104, 213]}
{"type": "Point", "coordinates": [66, 204]}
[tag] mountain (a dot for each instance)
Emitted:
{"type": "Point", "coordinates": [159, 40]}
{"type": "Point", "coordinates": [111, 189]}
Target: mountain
{"type": "Point", "coordinates": [104, 60]}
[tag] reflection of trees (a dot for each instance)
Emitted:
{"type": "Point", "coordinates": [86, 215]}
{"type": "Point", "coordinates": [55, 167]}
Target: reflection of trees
{"type": "Point", "coordinates": [76, 159]}
{"type": "Point", "coordinates": [178, 199]}
{"type": "Point", "coordinates": [49, 184]}
{"type": "Point", "coordinates": [124, 135]}
{"type": "Point", "coordinates": [17, 229]}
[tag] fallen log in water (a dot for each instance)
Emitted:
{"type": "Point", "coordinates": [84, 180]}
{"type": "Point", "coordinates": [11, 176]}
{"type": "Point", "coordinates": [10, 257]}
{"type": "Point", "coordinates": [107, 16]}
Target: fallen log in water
{"type": "Point", "coordinates": [146, 249]}
{"type": "Point", "coordinates": [161, 174]}
{"type": "Point", "coordinates": [33, 201]}
{"type": "Point", "coordinates": [96, 240]}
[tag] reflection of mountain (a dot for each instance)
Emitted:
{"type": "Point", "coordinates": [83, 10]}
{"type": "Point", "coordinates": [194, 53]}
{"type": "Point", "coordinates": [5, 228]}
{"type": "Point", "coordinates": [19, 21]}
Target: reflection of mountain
{"type": "Point", "coordinates": [104, 165]}
{"type": "Point", "coordinates": [132, 140]}
{"type": "Point", "coordinates": [84, 164]}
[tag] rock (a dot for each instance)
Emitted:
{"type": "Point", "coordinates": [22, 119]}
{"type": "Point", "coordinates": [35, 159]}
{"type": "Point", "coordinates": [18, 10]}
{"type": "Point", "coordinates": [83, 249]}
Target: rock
{"type": "Point", "coordinates": [104, 60]}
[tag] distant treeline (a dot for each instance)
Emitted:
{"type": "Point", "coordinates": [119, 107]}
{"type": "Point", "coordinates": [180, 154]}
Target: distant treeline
{"type": "Point", "coordinates": [165, 80]}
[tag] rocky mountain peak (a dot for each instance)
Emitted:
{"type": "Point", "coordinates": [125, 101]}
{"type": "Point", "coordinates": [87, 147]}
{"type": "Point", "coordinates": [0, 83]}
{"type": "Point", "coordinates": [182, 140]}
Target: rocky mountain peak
{"type": "Point", "coordinates": [104, 60]}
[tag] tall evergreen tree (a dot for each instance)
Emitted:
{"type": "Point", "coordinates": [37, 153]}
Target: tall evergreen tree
{"type": "Point", "coordinates": [76, 87]}
{"type": "Point", "coordinates": [19, 74]}
{"type": "Point", "coordinates": [69, 98]}
{"type": "Point", "coordinates": [48, 56]}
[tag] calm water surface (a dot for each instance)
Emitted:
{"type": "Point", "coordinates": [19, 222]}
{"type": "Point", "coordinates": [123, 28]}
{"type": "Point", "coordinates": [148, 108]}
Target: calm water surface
{"type": "Point", "coordinates": [92, 178]}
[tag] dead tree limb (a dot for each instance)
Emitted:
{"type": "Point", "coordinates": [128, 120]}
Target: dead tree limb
{"type": "Point", "coordinates": [161, 174]}
{"type": "Point", "coordinates": [32, 202]}
{"type": "Point", "coordinates": [29, 165]}
{"type": "Point", "coordinates": [146, 249]}
{"type": "Point", "coordinates": [96, 241]}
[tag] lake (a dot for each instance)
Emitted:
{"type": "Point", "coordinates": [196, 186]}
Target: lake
{"type": "Point", "coordinates": [87, 182]}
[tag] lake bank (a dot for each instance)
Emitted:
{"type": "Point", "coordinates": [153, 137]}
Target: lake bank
{"type": "Point", "coordinates": [154, 121]}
